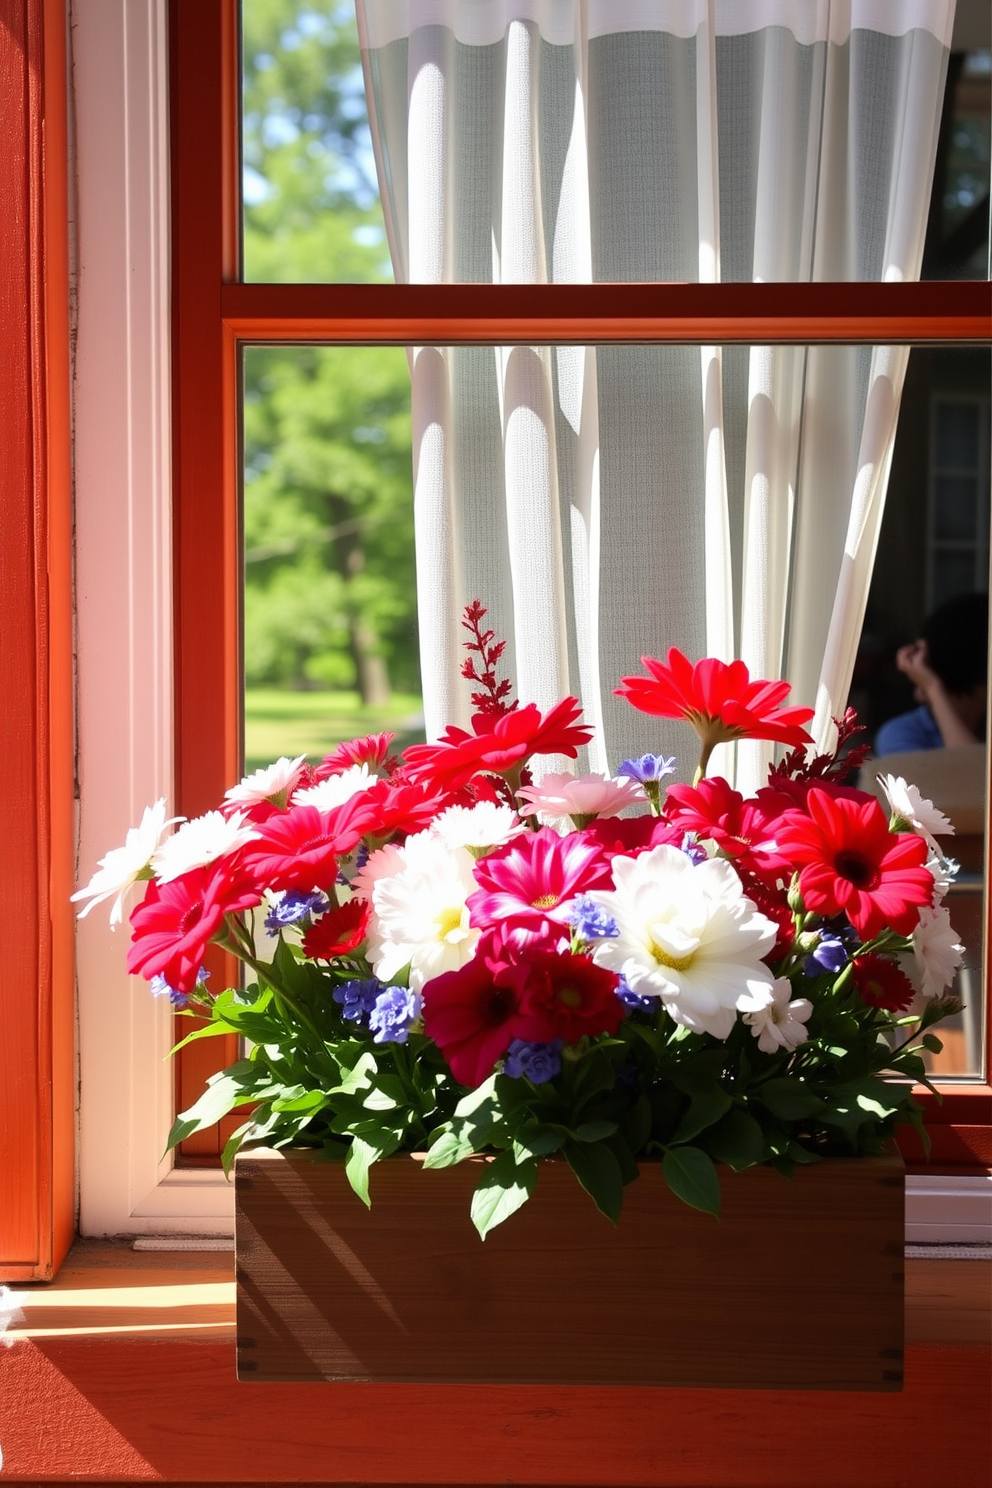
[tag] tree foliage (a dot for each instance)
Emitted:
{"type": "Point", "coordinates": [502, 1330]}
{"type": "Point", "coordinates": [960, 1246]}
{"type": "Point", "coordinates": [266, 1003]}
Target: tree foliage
{"type": "Point", "coordinates": [330, 595]}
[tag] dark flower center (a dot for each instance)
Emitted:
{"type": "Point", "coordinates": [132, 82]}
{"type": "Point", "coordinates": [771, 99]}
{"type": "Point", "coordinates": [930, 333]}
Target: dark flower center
{"type": "Point", "coordinates": [192, 917]}
{"type": "Point", "coordinates": [497, 1004]}
{"type": "Point", "coordinates": [856, 869]}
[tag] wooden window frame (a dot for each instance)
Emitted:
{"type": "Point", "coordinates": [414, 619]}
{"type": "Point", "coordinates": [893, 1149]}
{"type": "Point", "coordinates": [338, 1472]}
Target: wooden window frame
{"type": "Point", "coordinates": [215, 315]}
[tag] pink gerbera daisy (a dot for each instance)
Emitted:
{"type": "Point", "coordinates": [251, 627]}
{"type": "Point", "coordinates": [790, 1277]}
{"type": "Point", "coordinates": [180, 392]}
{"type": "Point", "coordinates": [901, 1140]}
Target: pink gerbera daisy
{"type": "Point", "coordinates": [535, 878]}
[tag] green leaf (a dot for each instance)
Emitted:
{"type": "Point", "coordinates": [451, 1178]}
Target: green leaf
{"type": "Point", "coordinates": [705, 1111]}
{"type": "Point", "coordinates": [797, 1153]}
{"type": "Point", "coordinates": [233, 1145]}
{"type": "Point", "coordinates": [224, 1091]}
{"type": "Point", "coordinates": [307, 1103]}
{"type": "Point", "coordinates": [380, 1100]}
{"type": "Point", "coordinates": [737, 1140]}
{"type": "Point", "coordinates": [356, 1079]}
{"type": "Point", "coordinates": [690, 1174]}
{"type": "Point", "coordinates": [636, 1124]}
{"type": "Point", "coordinates": [483, 1093]}
{"type": "Point", "coordinates": [504, 1186]}
{"type": "Point", "coordinates": [594, 1131]}
{"type": "Point", "coordinates": [448, 1149]}
{"type": "Point", "coordinates": [211, 1030]}
{"type": "Point", "coordinates": [932, 1042]}
{"type": "Point", "coordinates": [536, 1139]}
{"type": "Point", "coordinates": [598, 1170]}
{"type": "Point", "coordinates": [788, 1098]}
{"type": "Point", "coordinates": [361, 1155]}
{"type": "Point", "coordinates": [700, 1072]}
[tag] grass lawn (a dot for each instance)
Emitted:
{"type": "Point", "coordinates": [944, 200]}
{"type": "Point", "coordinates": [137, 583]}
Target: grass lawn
{"type": "Point", "coordinates": [311, 723]}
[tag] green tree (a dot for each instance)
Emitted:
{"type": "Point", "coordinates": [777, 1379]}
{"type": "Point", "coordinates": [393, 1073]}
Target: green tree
{"type": "Point", "coordinates": [330, 593]}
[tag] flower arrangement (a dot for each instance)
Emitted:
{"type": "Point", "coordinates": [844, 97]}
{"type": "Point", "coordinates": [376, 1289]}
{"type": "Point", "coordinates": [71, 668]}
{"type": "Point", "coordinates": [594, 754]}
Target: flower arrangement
{"type": "Point", "coordinates": [447, 954]}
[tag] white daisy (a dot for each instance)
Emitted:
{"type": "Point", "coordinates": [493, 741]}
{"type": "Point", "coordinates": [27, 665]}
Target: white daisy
{"type": "Point", "coordinates": [275, 783]}
{"type": "Point", "coordinates": [782, 1024]}
{"type": "Point", "coordinates": [420, 917]}
{"type": "Point", "coordinates": [124, 866]}
{"type": "Point", "coordinates": [945, 871]}
{"type": "Point", "coordinates": [687, 934]}
{"type": "Point", "coordinates": [201, 841]}
{"type": "Point", "coordinates": [937, 950]}
{"type": "Point", "coordinates": [922, 815]}
{"type": "Point", "coordinates": [336, 789]}
{"type": "Point", "coordinates": [478, 827]}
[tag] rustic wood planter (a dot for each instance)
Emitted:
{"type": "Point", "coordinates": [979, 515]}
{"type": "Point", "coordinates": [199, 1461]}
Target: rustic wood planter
{"type": "Point", "coordinates": [798, 1286]}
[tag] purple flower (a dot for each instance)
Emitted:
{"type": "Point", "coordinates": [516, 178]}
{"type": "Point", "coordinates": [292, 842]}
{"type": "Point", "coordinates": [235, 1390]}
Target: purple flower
{"type": "Point", "coordinates": [357, 998]}
{"type": "Point", "coordinates": [634, 1000]}
{"type": "Point", "coordinates": [830, 953]}
{"type": "Point", "coordinates": [649, 768]}
{"type": "Point", "coordinates": [690, 846]}
{"type": "Point", "coordinates": [589, 920]}
{"type": "Point", "coordinates": [395, 1010]}
{"type": "Point", "coordinates": [537, 1063]}
{"type": "Point", "coordinates": [160, 988]}
{"type": "Point", "coordinates": [292, 908]}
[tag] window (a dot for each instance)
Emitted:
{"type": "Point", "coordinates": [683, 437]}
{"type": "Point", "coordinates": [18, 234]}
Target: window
{"type": "Point", "coordinates": [196, 739]}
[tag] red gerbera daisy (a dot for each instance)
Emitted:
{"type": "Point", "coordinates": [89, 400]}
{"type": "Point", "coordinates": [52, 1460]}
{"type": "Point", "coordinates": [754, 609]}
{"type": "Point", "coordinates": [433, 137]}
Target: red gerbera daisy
{"type": "Point", "coordinates": [850, 863]}
{"type": "Point", "coordinates": [743, 830]}
{"type": "Point", "coordinates": [720, 701]}
{"type": "Point", "coordinates": [570, 992]}
{"type": "Point", "coordinates": [299, 848]}
{"type": "Point", "coordinates": [372, 750]}
{"type": "Point", "coordinates": [175, 921]}
{"type": "Point", "coordinates": [339, 931]}
{"type": "Point", "coordinates": [881, 984]}
{"type": "Point", "coordinates": [498, 743]}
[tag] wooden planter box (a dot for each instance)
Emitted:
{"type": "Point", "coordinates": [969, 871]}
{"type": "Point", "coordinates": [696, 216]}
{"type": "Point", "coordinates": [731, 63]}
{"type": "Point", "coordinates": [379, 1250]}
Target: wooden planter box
{"type": "Point", "coordinates": [798, 1286]}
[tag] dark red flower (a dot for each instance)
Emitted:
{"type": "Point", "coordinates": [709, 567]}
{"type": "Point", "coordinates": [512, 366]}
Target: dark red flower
{"type": "Point", "coordinates": [881, 984]}
{"type": "Point", "coordinates": [850, 863]}
{"type": "Point", "coordinates": [473, 1018]}
{"type": "Point", "coordinates": [720, 701]}
{"type": "Point", "coordinates": [499, 743]}
{"type": "Point", "coordinates": [339, 931]}
{"type": "Point", "coordinates": [570, 992]}
{"type": "Point", "coordinates": [173, 925]}
{"type": "Point", "coordinates": [743, 830]}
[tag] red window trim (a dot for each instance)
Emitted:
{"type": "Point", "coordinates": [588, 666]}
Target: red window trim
{"type": "Point", "coordinates": [37, 1074]}
{"type": "Point", "coordinates": [214, 315]}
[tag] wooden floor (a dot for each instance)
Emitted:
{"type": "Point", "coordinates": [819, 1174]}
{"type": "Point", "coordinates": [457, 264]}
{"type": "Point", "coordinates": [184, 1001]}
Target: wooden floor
{"type": "Point", "coordinates": [123, 1371]}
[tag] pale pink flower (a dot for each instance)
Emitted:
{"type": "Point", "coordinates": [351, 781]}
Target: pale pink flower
{"type": "Point", "coordinates": [782, 1024]}
{"type": "Point", "coordinates": [582, 797]}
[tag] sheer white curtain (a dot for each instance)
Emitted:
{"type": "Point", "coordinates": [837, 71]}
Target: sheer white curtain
{"type": "Point", "coordinates": [613, 502]}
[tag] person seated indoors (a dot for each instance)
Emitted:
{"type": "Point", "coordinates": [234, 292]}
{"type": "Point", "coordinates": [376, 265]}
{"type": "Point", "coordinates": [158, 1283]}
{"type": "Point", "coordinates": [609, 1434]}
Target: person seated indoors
{"type": "Point", "coordinates": [947, 666]}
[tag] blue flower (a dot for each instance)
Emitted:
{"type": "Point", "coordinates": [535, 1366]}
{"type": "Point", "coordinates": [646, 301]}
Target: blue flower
{"type": "Point", "coordinates": [536, 1062]}
{"type": "Point", "coordinates": [650, 767]}
{"type": "Point", "coordinates": [589, 920]}
{"type": "Point", "coordinates": [160, 988]}
{"type": "Point", "coordinates": [633, 1000]}
{"type": "Point", "coordinates": [357, 998]}
{"type": "Point", "coordinates": [293, 907]}
{"type": "Point", "coordinates": [830, 953]}
{"type": "Point", "coordinates": [395, 1010]}
{"type": "Point", "coordinates": [690, 846]}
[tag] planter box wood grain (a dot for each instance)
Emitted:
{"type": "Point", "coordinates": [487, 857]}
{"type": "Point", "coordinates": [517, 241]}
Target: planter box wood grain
{"type": "Point", "coordinates": [798, 1286]}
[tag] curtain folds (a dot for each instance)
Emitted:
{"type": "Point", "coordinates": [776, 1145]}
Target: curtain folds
{"type": "Point", "coordinates": [608, 503]}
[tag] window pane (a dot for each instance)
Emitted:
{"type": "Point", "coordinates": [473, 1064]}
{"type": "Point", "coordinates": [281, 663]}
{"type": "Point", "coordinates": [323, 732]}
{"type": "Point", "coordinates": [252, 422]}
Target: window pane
{"type": "Point", "coordinates": [570, 486]}
{"type": "Point", "coordinates": [330, 620]}
{"type": "Point", "coordinates": [955, 507]}
{"type": "Point", "coordinates": [524, 152]}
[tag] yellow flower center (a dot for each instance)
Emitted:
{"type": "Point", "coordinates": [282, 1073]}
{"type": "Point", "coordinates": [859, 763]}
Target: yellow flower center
{"type": "Point", "coordinates": [675, 963]}
{"type": "Point", "coordinates": [546, 901]}
{"type": "Point", "coordinates": [449, 921]}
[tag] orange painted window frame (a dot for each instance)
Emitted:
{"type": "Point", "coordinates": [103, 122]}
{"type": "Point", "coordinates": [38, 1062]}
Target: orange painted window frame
{"type": "Point", "coordinates": [215, 314]}
{"type": "Point", "coordinates": [37, 1055]}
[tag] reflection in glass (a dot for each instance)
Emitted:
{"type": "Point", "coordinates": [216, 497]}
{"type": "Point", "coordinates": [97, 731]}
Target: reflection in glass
{"type": "Point", "coordinates": [311, 202]}
{"type": "Point", "coordinates": [957, 244]}
{"type": "Point", "coordinates": [330, 627]}
{"type": "Point", "coordinates": [933, 551]}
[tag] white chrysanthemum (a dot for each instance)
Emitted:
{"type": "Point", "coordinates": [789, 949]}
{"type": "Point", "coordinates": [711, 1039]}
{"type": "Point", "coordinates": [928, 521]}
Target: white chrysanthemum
{"type": "Point", "coordinates": [582, 796]}
{"type": "Point", "coordinates": [923, 816]}
{"type": "Point", "coordinates": [419, 913]}
{"type": "Point", "coordinates": [336, 789]}
{"type": "Point", "coordinates": [687, 934]}
{"type": "Point", "coordinates": [945, 871]}
{"type": "Point", "coordinates": [478, 827]}
{"type": "Point", "coordinates": [201, 841]}
{"type": "Point", "coordinates": [124, 866]}
{"type": "Point", "coordinates": [275, 783]}
{"type": "Point", "coordinates": [782, 1024]}
{"type": "Point", "coordinates": [937, 950]}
